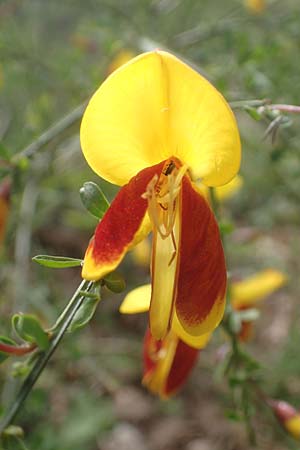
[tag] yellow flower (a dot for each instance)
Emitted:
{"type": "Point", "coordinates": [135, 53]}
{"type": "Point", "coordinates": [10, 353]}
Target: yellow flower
{"type": "Point", "coordinates": [247, 293]}
{"type": "Point", "coordinates": [255, 6]}
{"type": "Point", "coordinates": [287, 415]}
{"type": "Point", "coordinates": [122, 57]}
{"type": "Point", "coordinates": [223, 192]}
{"type": "Point", "coordinates": [141, 253]}
{"type": "Point", "coordinates": [155, 126]}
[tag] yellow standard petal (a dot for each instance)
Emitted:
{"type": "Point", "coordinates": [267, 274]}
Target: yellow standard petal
{"type": "Point", "coordinates": [156, 107]}
{"type": "Point", "coordinates": [253, 289]}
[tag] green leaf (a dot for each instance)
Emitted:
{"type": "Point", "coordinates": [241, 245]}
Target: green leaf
{"type": "Point", "coordinates": [5, 340]}
{"type": "Point", "coordinates": [57, 262]}
{"type": "Point", "coordinates": [93, 199]}
{"type": "Point", "coordinates": [84, 314]}
{"type": "Point", "coordinates": [253, 112]}
{"type": "Point", "coordinates": [114, 282]}
{"type": "Point", "coordinates": [28, 328]}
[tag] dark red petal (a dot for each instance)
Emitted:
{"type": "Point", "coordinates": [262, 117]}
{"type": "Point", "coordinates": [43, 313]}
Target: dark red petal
{"type": "Point", "coordinates": [201, 281]}
{"type": "Point", "coordinates": [184, 360]}
{"type": "Point", "coordinates": [119, 226]}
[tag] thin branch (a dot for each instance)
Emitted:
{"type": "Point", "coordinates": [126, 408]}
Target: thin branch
{"type": "Point", "coordinates": [43, 358]}
{"type": "Point", "coordinates": [51, 134]}
{"type": "Point", "coordinates": [254, 103]}
{"type": "Point", "coordinates": [285, 108]}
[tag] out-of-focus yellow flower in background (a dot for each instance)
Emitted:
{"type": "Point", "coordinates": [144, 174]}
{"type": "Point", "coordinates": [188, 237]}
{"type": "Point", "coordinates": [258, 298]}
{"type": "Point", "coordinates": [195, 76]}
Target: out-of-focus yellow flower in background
{"type": "Point", "coordinates": [255, 6]}
{"type": "Point", "coordinates": [224, 192]}
{"type": "Point", "coordinates": [288, 416]}
{"type": "Point", "coordinates": [122, 57]}
{"type": "Point", "coordinates": [248, 293]}
{"type": "Point", "coordinates": [141, 253]}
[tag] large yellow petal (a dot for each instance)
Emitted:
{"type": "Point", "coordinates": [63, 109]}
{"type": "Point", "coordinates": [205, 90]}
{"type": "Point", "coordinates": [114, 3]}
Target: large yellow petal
{"type": "Point", "coordinates": [155, 107]}
{"type": "Point", "coordinates": [253, 289]}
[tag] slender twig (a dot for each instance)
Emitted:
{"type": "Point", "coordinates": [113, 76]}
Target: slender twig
{"type": "Point", "coordinates": [41, 362]}
{"type": "Point", "coordinates": [285, 108]}
{"type": "Point", "coordinates": [51, 134]}
{"type": "Point", "coordinates": [254, 103]}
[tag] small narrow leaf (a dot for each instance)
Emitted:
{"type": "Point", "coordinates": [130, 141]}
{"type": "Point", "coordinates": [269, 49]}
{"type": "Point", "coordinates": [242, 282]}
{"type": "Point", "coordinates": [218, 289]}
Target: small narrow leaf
{"type": "Point", "coordinates": [57, 262]}
{"type": "Point", "coordinates": [84, 314]}
{"type": "Point", "coordinates": [28, 328]}
{"type": "Point", "coordinates": [114, 282]}
{"type": "Point", "coordinates": [253, 112]}
{"type": "Point", "coordinates": [5, 340]}
{"type": "Point", "coordinates": [93, 199]}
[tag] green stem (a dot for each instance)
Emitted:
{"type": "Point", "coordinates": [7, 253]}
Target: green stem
{"type": "Point", "coordinates": [65, 312]}
{"type": "Point", "coordinates": [254, 103]}
{"type": "Point", "coordinates": [29, 382]}
{"type": "Point", "coordinates": [214, 203]}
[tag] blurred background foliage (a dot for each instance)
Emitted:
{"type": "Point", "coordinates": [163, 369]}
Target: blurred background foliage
{"type": "Point", "coordinates": [53, 55]}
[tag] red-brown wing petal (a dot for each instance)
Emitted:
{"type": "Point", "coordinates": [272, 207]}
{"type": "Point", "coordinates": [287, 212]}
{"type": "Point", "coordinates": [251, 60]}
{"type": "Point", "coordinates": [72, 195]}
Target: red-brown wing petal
{"type": "Point", "coordinates": [184, 360]}
{"type": "Point", "coordinates": [167, 363]}
{"type": "Point", "coordinates": [119, 227]}
{"type": "Point", "coordinates": [201, 282]}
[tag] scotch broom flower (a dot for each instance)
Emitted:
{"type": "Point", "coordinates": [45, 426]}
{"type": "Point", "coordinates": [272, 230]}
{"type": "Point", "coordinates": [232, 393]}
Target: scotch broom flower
{"type": "Point", "coordinates": [287, 415]}
{"type": "Point", "coordinates": [250, 292]}
{"type": "Point", "coordinates": [155, 126]}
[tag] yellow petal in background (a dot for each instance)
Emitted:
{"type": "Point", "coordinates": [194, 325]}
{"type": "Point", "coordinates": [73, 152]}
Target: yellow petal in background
{"type": "Point", "coordinates": [248, 292]}
{"type": "Point", "coordinates": [292, 425]}
{"type": "Point", "coordinates": [137, 300]}
{"type": "Point", "coordinates": [255, 6]}
{"type": "Point", "coordinates": [155, 107]}
{"type": "Point", "coordinates": [122, 57]}
{"type": "Point", "coordinates": [228, 190]}
{"type": "Point", "coordinates": [141, 253]}
{"type": "Point", "coordinates": [224, 192]}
